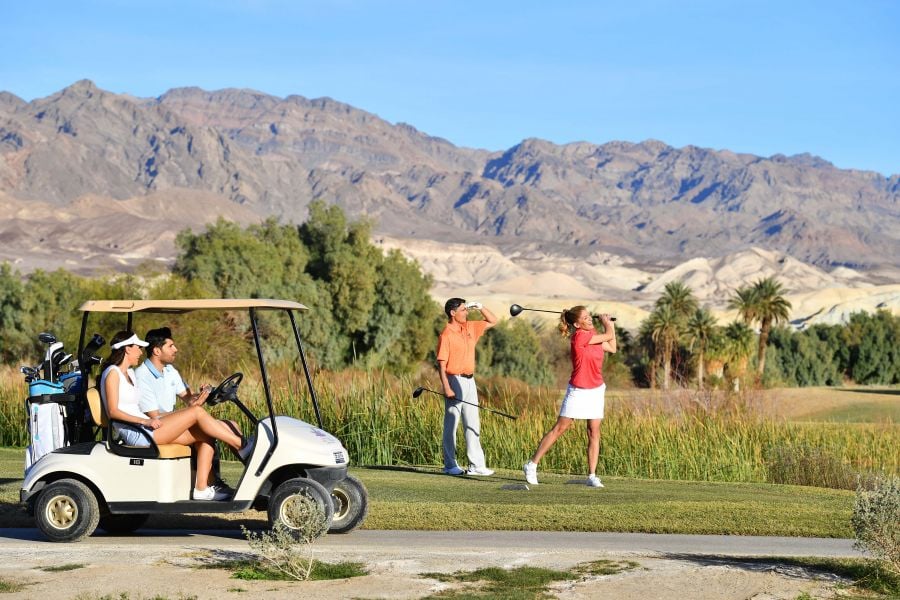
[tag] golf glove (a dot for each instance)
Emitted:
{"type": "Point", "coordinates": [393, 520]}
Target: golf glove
{"type": "Point", "coordinates": [475, 305]}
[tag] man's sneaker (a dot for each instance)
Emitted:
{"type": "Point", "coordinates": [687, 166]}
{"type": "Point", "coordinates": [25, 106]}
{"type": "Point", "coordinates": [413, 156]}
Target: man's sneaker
{"type": "Point", "coordinates": [221, 486]}
{"type": "Point", "coordinates": [480, 471]}
{"type": "Point", "coordinates": [594, 481]}
{"type": "Point", "coordinates": [210, 493]}
{"type": "Point", "coordinates": [246, 450]}
{"type": "Point", "coordinates": [530, 469]}
{"type": "Point", "coordinates": [453, 471]}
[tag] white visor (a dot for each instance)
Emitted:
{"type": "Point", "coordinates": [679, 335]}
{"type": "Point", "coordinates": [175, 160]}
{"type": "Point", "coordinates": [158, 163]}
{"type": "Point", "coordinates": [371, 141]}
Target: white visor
{"type": "Point", "coordinates": [133, 340]}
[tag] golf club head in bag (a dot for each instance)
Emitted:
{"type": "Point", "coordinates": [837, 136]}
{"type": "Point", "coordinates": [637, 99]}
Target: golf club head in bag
{"type": "Point", "coordinates": [89, 356]}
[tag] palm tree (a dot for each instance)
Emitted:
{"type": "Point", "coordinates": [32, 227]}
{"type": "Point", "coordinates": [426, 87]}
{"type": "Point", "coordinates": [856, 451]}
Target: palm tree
{"type": "Point", "coordinates": [680, 298]}
{"type": "Point", "coordinates": [700, 330]}
{"type": "Point", "coordinates": [738, 346]}
{"type": "Point", "coordinates": [764, 302]}
{"type": "Point", "coordinates": [664, 327]}
{"type": "Point", "coordinates": [771, 308]}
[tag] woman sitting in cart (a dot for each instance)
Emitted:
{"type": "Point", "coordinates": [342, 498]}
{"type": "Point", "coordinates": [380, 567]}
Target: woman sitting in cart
{"type": "Point", "coordinates": [188, 426]}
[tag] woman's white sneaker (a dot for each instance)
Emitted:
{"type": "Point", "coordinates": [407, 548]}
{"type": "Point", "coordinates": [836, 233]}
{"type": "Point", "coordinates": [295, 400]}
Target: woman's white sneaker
{"type": "Point", "coordinates": [530, 469]}
{"type": "Point", "coordinates": [594, 481]}
{"type": "Point", "coordinates": [210, 493]}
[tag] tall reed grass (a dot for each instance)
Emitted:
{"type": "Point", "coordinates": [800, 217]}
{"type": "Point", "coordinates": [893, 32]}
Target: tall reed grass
{"type": "Point", "coordinates": [680, 435]}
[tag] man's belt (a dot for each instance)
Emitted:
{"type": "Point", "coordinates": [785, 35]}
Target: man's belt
{"type": "Point", "coordinates": [466, 375]}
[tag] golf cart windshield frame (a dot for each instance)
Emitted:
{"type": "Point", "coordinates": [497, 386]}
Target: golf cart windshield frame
{"type": "Point", "coordinates": [129, 307]}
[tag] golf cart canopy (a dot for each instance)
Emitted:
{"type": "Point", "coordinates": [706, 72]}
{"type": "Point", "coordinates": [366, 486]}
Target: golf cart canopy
{"type": "Point", "coordinates": [182, 306]}
{"type": "Point", "coordinates": [130, 307]}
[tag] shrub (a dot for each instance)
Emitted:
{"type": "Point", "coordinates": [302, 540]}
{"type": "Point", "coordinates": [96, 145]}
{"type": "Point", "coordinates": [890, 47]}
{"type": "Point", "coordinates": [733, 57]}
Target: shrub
{"type": "Point", "coordinates": [876, 521]}
{"type": "Point", "coordinates": [290, 552]}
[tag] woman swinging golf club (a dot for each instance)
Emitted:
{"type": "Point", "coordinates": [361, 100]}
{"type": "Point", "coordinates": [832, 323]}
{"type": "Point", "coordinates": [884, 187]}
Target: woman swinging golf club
{"type": "Point", "coordinates": [585, 394]}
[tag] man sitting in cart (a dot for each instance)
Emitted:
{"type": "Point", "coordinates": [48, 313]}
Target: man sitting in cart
{"type": "Point", "coordinates": [161, 385]}
{"type": "Point", "coordinates": [190, 426]}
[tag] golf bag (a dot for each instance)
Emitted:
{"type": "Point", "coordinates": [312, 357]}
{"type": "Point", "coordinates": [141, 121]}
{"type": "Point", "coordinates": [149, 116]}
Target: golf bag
{"type": "Point", "coordinates": [48, 409]}
{"type": "Point", "coordinates": [54, 397]}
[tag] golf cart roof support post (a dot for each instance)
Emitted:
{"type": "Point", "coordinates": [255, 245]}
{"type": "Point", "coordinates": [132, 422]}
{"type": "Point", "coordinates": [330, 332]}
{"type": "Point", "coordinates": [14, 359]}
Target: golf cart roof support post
{"type": "Point", "coordinates": [312, 391]}
{"type": "Point", "coordinates": [265, 379]}
{"type": "Point", "coordinates": [130, 322]}
{"type": "Point", "coordinates": [84, 321]}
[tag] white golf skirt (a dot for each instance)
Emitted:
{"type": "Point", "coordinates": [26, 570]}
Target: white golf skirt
{"type": "Point", "coordinates": [583, 403]}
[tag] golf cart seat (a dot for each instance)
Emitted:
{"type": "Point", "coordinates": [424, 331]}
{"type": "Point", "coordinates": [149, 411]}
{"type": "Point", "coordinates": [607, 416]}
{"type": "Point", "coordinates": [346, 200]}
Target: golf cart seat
{"type": "Point", "coordinates": [154, 450]}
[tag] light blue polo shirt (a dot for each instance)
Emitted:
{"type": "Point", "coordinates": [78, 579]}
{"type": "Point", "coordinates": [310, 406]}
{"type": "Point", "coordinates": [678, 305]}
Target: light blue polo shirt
{"type": "Point", "coordinates": [159, 391]}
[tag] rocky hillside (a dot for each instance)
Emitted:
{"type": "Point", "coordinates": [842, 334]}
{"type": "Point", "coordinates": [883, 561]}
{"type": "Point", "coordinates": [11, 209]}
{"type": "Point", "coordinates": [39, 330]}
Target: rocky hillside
{"type": "Point", "coordinates": [649, 203]}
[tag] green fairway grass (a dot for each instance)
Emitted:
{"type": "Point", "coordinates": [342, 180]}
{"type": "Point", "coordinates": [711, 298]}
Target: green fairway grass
{"type": "Point", "coordinates": [422, 498]}
{"type": "Point", "coordinates": [861, 412]}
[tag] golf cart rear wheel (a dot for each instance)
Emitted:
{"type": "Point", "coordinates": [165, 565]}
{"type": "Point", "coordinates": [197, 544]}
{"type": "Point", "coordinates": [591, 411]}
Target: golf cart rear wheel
{"type": "Point", "coordinates": [120, 524]}
{"type": "Point", "coordinates": [290, 498]}
{"type": "Point", "coordinates": [67, 511]}
{"type": "Point", "coordinates": [351, 505]}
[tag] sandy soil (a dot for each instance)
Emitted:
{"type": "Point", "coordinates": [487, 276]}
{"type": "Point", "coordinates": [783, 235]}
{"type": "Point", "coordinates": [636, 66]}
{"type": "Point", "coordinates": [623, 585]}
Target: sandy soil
{"type": "Point", "coordinates": [160, 570]}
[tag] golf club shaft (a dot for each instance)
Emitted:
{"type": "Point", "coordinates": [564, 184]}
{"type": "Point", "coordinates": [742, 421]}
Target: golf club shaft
{"type": "Point", "coordinates": [496, 412]}
{"type": "Point", "coordinates": [556, 312]}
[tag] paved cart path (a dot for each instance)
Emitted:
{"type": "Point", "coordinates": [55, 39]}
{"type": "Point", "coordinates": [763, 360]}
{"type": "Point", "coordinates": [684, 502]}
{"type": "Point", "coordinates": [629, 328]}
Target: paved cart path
{"type": "Point", "coordinates": [163, 562]}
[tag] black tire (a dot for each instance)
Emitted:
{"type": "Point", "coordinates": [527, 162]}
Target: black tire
{"type": "Point", "coordinates": [122, 524]}
{"type": "Point", "coordinates": [66, 511]}
{"type": "Point", "coordinates": [284, 494]}
{"type": "Point", "coordinates": [351, 505]}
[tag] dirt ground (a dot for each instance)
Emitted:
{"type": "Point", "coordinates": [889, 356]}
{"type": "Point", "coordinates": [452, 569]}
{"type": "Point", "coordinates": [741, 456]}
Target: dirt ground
{"type": "Point", "coordinates": [163, 570]}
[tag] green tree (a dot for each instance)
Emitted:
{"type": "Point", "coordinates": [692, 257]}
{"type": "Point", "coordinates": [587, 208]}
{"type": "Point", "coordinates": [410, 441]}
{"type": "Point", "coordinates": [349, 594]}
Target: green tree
{"type": "Point", "coordinates": [13, 338]}
{"type": "Point", "coordinates": [400, 327]}
{"type": "Point", "coordinates": [342, 257]}
{"type": "Point", "coordinates": [764, 301]}
{"type": "Point", "coordinates": [663, 327]}
{"type": "Point", "coordinates": [512, 348]}
{"type": "Point", "coordinates": [799, 358]}
{"type": "Point", "coordinates": [51, 304]}
{"type": "Point", "coordinates": [875, 357]}
{"type": "Point", "coordinates": [365, 307]}
{"type": "Point", "coordinates": [837, 339]}
{"type": "Point", "coordinates": [738, 347]}
{"type": "Point", "coordinates": [700, 331]}
{"type": "Point", "coordinates": [679, 298]}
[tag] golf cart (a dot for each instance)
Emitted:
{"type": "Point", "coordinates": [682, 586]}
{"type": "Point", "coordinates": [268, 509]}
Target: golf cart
{"type": "Point", "coordinates": [91, 482]}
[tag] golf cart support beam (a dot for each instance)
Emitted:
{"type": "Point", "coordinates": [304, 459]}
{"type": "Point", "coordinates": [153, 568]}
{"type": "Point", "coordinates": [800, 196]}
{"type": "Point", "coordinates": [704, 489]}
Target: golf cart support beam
{"type": "Point", "coordinates": [265, 379]}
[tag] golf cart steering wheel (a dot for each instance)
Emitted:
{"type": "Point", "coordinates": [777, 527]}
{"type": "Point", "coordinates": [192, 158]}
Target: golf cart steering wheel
{"type": "Point", "coordinates": [227, 390]}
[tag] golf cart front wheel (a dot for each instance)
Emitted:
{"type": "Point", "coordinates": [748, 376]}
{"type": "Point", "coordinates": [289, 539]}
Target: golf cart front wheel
{"type": "Point", "coordinates": [67, 511]}
{"type": "Point", "coordinates": [290, 503]}
{"type": "Point", "coordinates": [351, 505]}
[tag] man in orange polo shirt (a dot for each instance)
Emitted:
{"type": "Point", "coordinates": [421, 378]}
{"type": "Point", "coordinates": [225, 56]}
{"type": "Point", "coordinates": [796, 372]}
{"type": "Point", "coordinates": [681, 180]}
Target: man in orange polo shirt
{"type": "Point", "coordinates": [456, 363]}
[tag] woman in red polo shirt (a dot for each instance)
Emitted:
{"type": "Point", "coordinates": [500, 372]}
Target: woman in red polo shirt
{"type": "Point", "coordinates": [584, 397]}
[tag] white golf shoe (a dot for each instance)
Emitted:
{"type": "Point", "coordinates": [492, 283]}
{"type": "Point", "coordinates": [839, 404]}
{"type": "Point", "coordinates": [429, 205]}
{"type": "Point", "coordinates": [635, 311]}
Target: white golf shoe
{"type": "Point", "coordinates": [530, 469]}
{"type": "Point", "coordinates": [480, 471]}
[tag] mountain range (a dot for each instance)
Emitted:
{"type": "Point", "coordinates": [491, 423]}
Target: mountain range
{"type": "Point", "coordinates": [95, 180]}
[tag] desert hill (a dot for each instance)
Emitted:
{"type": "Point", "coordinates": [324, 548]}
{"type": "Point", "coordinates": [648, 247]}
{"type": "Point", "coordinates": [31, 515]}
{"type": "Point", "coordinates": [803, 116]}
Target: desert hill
{"type": "Point", "coordinates": [95, 180]}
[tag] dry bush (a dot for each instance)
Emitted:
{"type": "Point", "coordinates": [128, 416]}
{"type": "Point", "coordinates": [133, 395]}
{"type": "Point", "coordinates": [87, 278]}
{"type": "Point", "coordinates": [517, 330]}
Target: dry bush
{"type": "Point", "coordinates": [876, 521]}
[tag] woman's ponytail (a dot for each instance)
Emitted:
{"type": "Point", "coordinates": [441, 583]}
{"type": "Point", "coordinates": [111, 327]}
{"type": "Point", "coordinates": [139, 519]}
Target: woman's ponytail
{"type": "Point", "coordinates": [568, 318]}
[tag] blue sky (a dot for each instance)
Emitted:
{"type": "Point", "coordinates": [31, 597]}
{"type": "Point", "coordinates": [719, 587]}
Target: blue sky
{"type": "Point", "coordinates": [762, 77]}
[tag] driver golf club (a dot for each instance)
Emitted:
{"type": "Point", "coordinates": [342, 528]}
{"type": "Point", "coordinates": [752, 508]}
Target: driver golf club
{"type": "Point", "coordinates": [515, 310]}
{"type": "Point", "coordinates": [418, 392]}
